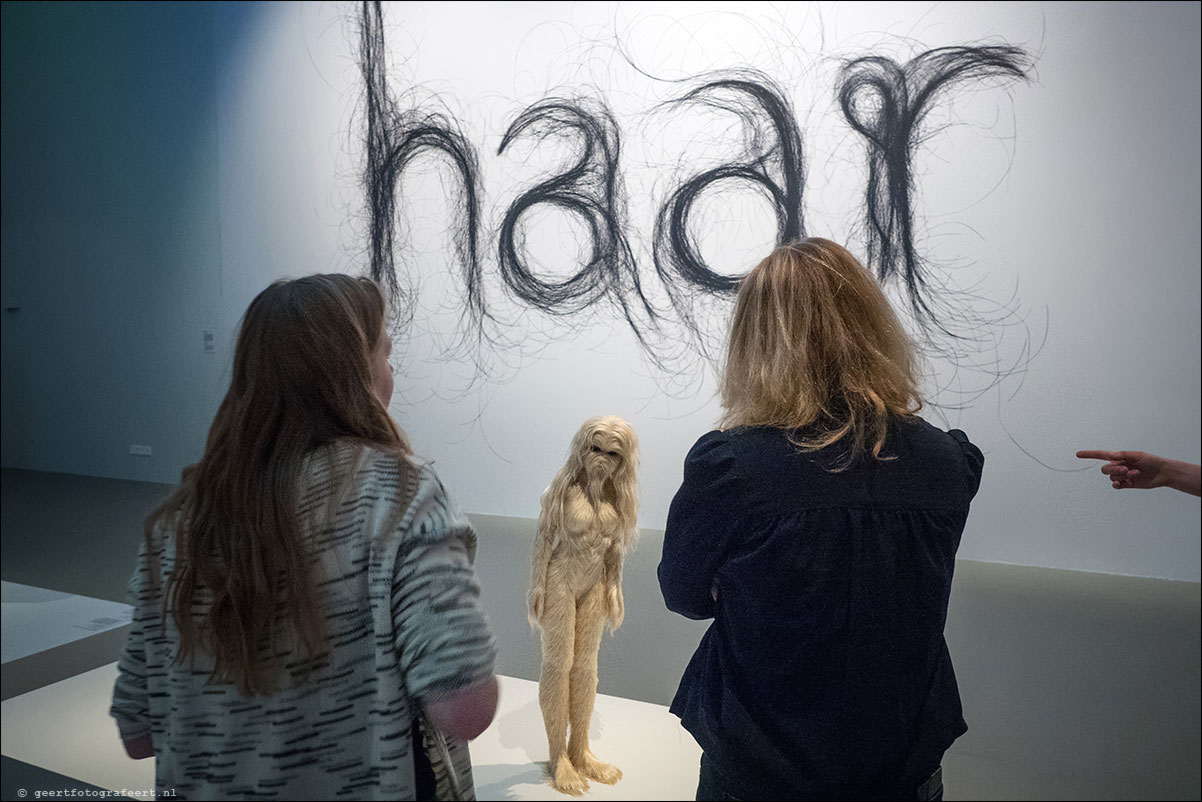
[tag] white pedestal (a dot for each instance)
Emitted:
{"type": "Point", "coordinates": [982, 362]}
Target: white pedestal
{"type": "Point", "coordinates": [66, 728]}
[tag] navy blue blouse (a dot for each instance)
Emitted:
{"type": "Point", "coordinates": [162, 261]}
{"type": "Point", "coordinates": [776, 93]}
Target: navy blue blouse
{"type": "Point", "coordinates": [824, 674]}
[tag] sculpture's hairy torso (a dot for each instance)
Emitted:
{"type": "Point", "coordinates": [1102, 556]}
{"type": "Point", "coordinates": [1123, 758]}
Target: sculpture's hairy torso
{"type": "Point", "coordinates": [578, 559]}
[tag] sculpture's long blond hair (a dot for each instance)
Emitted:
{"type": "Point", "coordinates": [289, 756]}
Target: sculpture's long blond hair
{"type": "Point", "coordinates": [620, 489]}
{"type": "Point", "coordinates": [814, 343]}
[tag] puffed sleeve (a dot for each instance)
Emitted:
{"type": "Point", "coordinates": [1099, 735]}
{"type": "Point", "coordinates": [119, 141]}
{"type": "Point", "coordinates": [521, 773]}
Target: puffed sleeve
{"type": "Point", "coordinates": [443, 637]}
{"type": "Point", "coordinates": [700, 528]}
{"type": "Point", "coordinates": [974, 458]}
{"type": "Point", "coordinates": [131, 705]}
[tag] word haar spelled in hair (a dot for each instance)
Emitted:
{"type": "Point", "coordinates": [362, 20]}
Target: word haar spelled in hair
{"type": "Point", "coordinates": [884, 102]}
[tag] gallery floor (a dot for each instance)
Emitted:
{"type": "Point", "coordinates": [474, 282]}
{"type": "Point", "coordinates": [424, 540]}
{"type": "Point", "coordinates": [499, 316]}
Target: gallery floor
{"type": "Point", "coordinates": [1075, 685]}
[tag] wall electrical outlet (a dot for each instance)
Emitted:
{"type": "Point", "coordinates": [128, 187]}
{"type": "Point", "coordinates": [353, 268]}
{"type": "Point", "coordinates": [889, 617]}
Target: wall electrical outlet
{"type": "Point", "coordinates": [140, 451]}
{"type": "Point", "coordinates": [210, 341]}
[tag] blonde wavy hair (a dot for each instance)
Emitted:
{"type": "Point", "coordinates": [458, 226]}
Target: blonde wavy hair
{"type": "Point", "coordinates": [597, 439]}
{"type": "Point", "coordinates": [815, 348]}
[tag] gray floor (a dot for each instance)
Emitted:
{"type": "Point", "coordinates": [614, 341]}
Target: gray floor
{"type": "Point", "coordinates": [1075, 685]}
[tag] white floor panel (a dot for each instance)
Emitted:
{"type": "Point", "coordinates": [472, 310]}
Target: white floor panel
{"type": "Point", "coordinates": [36, 619]}
{"type": "Point", "coordinates": [66, 728]}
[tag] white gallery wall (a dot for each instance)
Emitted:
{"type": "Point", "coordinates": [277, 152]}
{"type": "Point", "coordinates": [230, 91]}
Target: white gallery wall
{"type": "Point", "coordinates": [1066, 206]}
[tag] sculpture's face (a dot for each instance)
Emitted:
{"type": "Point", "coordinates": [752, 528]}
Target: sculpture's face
{"type": "Point", "coordinates": [605, 453]}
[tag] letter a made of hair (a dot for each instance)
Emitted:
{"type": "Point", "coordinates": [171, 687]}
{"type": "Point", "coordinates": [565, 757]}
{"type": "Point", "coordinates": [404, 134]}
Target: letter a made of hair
{"type": "Point", "coordinates": [771, 160]}
{"type": "Point", "coordinates": [772, 157]}
{"type": "Point", "coordinates": [591, 188]}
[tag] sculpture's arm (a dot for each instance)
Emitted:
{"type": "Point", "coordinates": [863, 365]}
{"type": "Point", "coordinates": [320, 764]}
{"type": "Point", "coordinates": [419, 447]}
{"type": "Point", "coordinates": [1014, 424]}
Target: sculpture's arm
{"type": "Point", "coordinates": [544, 546]}
{"type": "Point", "coordinates": [615, 605]}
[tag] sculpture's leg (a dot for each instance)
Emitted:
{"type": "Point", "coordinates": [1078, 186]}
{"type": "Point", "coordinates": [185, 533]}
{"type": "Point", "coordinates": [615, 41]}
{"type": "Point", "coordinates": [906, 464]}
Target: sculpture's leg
{"type": "Point", "coordinates": [558, 631]}
{"type": "Point", "coordinates": [590, 620]}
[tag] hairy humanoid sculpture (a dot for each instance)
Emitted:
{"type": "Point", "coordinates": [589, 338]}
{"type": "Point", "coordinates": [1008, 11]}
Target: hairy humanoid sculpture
{"type": "Point", "coordinates": [588, 522]}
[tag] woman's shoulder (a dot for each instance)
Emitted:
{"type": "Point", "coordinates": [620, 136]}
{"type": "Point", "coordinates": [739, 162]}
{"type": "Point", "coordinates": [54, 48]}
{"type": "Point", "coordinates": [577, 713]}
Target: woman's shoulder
{"type": "Point", "coordinates": [738, 454]}
{"type": "Point", "coordinates": [930, 438]}
{"type": "Point", "coordinates": [741, 442]}
{"type": "Point", "coordinates": [921, 427]}
{"type": "Point", "coordinates": [365, 470]}
{"type": "Point", "coordinates": [739, 437]}
{"type": "Point", "coordinates": [712, 447]}
{"type": "Point", "coordinates": [711, 440]}
{"type": "Point", "coordinates": [412, 487]}
{"type": "Point", "coordinates": [384, 463]}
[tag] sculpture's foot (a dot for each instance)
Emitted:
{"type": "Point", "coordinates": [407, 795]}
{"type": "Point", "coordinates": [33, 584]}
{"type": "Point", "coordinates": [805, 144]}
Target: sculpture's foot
{"type": "Point", "coordinates": [594, 769]}
{"type": "Point", "coordinates": [565, 779]}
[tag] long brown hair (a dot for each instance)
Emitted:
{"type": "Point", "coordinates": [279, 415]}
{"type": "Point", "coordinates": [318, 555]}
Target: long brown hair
{"type": "Point", "coordinates": [301, 379]}
{"type": "Point", "coordinates": [814, 343]}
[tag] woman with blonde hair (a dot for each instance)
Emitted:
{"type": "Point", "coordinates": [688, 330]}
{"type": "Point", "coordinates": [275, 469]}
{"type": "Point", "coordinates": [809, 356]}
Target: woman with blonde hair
{"type": "Point", "coordinates": [818, 527]}
{"type": "Point", "coordinates": [307, 615]}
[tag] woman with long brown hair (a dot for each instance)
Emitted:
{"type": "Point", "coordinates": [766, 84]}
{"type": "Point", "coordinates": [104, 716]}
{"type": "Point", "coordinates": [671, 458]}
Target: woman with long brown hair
{"type": "Point", "coordinates": [818, 528]}
{"type": "Point", "coordinates": [307, 616]}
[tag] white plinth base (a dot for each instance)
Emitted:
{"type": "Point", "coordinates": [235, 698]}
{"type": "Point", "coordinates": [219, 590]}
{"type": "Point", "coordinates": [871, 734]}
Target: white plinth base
{"type": "Point", "coordinates": [65, 728]}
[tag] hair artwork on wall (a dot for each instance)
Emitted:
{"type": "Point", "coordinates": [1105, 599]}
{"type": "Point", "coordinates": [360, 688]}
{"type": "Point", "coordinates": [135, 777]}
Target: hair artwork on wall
{"type": "Point", "coordinates": [590, 187]}
{"type": "Point", "coordinates": [395, 136]}
{"type": "Point", "coordinates": [651, 274]}
{"type": "Point", "coordinates": [886, 103]}
{"type": "Point", "coordinates": [771, 160]}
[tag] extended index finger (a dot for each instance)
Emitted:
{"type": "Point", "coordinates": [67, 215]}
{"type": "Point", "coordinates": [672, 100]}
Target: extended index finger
{"type": "Point", "coordinates": [1112, 456]}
